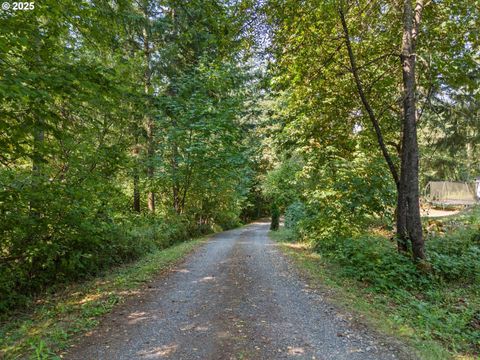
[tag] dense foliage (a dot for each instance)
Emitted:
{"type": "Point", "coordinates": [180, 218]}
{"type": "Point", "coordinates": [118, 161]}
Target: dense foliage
{"type": "Point", "coordinates": [337, 73]}
{"type": "Point", "coordinates": [123, 129]}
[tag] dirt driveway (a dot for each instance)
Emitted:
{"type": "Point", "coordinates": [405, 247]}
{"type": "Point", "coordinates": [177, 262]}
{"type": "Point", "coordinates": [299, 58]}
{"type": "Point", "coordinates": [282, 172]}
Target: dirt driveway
{"type": "Point", "coordinates": [236, 297]}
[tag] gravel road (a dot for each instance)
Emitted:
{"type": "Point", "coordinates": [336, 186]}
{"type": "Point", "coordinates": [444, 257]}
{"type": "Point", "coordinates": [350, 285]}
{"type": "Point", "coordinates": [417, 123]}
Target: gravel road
{"type": "Point", "coordinates": [236, 297]}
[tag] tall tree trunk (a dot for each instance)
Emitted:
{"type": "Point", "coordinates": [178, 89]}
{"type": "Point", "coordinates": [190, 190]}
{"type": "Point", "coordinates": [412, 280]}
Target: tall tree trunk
{"type": "Point", "coordinates": [136, 179]}
{"type": "Point", "coordinates": [175, 182]}
{"type": "Point", "coordinates": [149, 125]}
{"type": "Point", "coordinates": [38, 139]}
{"type": "Point", "coordinates": [410, 155]}
{"type": "Point", "coordinates": [37, 162]}
{"type": "Point", "coordinates": [408, 219]}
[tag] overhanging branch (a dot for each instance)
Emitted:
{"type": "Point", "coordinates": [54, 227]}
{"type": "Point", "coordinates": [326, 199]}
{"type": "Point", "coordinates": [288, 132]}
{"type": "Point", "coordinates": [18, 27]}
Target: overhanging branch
{"type": "Point", "coordinates": [365, 101]}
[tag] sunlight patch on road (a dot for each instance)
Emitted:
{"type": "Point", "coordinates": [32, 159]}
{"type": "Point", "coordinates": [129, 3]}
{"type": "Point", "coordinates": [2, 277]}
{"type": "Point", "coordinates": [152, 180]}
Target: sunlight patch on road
{"type": "Point", "coordinates": [295, 351]}
{"type": "Point", "coordinates": [137, 316]}
{"type": "Point", "coordinates": [185, 271]}
{"type": "Point", "coordinates": [159, 352]}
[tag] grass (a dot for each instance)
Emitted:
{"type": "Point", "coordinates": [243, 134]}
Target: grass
{"type": "Point", "coordinates": [437, 317]}
{"type": "Point", "coordinates": [48, 329]}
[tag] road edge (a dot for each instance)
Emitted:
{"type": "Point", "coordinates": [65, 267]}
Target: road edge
{"type": "Point", "coordinates": [314, 271]}
{"type": "Point", "coordinates": [59, 319]}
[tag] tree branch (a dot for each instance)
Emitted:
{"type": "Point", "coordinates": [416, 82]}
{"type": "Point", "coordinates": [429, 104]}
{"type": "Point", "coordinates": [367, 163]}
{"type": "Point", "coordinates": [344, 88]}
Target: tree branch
{"type": "Point", "coordinates": [419, 6]}
{"type": "Point", "coordinates": [366, 103]}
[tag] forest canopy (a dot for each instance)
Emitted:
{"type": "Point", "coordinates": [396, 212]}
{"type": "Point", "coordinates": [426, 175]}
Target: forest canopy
{"type": "Point", "coordinates": [123, 128]}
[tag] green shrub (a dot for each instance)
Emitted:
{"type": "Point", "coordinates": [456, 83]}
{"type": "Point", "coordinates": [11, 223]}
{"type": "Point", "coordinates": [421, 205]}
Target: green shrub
{"type": "Point", "coordinates": [294, 213]}
{"type": "Point", "coordinates": [375, 261]}
{"type": "Point", "coordinates": [275, 214]}
{"type": "Point", "coordinates": [345, 198]}
{"type": "Point", "coordinates": [74, 235]}
{"type": "Point", "coordinates": [226, 221]}
{"type": "Point", "coordinates": [456, 256]}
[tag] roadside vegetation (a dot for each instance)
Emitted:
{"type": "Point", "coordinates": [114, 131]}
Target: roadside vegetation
{"type": "Point", "coordinates": [47, 326]}
{"type": "Point", "coordinates": [122, 131]}
{"type": "Point", "coordinates": [438, 311]}
{"type": "Point", "coordinates": [366, 111]}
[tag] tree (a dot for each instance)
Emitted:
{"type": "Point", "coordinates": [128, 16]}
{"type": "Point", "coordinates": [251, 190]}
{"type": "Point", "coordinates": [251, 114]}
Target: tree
{"type": "Point", "coordinates": [105, 102]}
{"type": "Point", "coordinates": [409, 224]}
{"type": "Point", "coordinates": [319, 47]}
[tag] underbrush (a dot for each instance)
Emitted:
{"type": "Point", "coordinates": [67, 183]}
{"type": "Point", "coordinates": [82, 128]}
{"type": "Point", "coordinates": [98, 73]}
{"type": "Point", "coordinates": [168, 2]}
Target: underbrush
{"type": "Point", "coordinates": [47, 328]}
{"type": "Point", "coordinates": [79, 247]}
{"type": "Point", "coordinates": [442, 304]}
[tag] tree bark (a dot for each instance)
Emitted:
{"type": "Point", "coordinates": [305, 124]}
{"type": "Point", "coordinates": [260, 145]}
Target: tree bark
{"type": "Point", "coordinates": [410, 153]}
{"type": "Point", "coordinates": [149, 124]}
{"type": "Point", "coordinates": [136, 179]}
{"type": "Point", "coordinates": [38, 140]}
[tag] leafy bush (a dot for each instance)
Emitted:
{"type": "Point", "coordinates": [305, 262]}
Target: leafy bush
{"type": "Point", "coordinates": [281, 184]}
{"type": "Point", "coordinates": [227, 221]}
{"type": "Point", "coordinates": [376, 262]}
{"type": "Point", "coordinates": [346, 197]}
{"type": "Point", "coordinates": [374, 259]}
{"type": "Point", "coordinates": [455, 256]}
{"type": "Point", "coordinates": [294, 214]}
{"type": "Point", "coordinates": [74, 234]}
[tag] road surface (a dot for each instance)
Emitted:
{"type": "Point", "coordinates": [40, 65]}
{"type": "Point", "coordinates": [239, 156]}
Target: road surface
{"type": "Point", "coordinates": [236, 297]}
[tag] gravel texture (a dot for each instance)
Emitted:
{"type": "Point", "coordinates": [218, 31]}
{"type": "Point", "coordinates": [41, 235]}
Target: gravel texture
{"type": "Point", "coordinates": [237, 297]}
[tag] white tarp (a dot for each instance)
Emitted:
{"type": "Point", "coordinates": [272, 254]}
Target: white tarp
{"type": "Point", "coordinates": [451, 191]}
{"type": "Point", "coordinates": [477, 183]}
